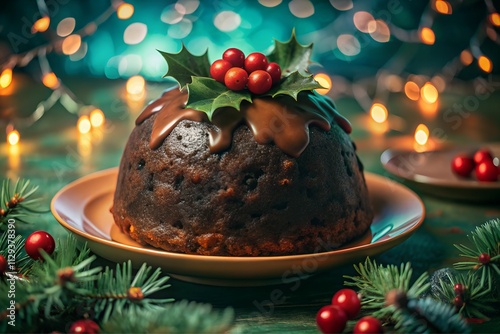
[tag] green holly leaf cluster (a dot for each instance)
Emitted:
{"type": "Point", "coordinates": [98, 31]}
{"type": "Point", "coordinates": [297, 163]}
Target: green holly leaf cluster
{"type": "Point", "coordinates": [207, 95]}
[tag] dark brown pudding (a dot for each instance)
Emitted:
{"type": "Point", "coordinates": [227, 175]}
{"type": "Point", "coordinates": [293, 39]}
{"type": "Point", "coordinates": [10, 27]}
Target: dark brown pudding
{"type": "Point", "coordinates": [279, 177]}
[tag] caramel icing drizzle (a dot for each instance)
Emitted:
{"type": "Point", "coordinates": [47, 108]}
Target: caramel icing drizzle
{"type": "Point", "coordinates": [280, 120]}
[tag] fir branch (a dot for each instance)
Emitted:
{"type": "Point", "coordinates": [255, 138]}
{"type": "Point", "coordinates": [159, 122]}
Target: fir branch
{"type": "Point", "coordinates": [117, 290]}
{"type": "Point", "coordinates": [375, 281]}
{"type": "Point", "coordinates": [16, 202]}
{"type": "Point", "coordinates": [179, 317]}
{"type": "Point", "coordinates": [430, 316]}
{"type": "Point", "coordinates": [485, 240]}
{"type": "Point", "coordinates": [22, 261]}
{"type": "Point", "coordinates": [477, 297]}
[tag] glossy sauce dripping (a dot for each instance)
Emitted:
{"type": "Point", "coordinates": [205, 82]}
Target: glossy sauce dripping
{"type": "Point", "coordinates": [281, 121]}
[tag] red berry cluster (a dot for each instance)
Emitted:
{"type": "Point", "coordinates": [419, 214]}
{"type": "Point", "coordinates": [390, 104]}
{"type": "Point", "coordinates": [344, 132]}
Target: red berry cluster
{"type": "Point", "coordinates": [39, 240]}
{"type": "Point", "coordinates": [459, 295]}
{"type": "Point", "coordinates": [254, 72]}
{"type": "Point", "coordinates": [482, 163]}
{"type": "Point", "coordinates": [345, 306]}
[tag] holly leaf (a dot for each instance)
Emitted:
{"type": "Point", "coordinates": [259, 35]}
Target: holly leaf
{"type": "Point", "coordinates": [293, 84]}
{"type": "Point", "coordinates": [207, 94]}
{"type": "Point", "coordinates": [183, 65]}
{"type": "Point", "coordinates": [291, 55]}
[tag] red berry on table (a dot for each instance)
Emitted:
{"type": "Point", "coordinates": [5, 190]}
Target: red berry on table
{"type": "Point", "coordinates": [462, 165]}
{"type": "Point", "coordinates": [256, 61]}
{"type": "Point", "coordinates": [348, 300]}
{"type": "Point", "coordinates": [458, 288]}
{"type": "Point", "coordinates": [219, 68]}
{"type": "Point", "coordinates": [84, 326]}
{"type": "Point", "coordinates": [482, 156]}
{"type": "Point", "coordinates": [331, 319]}
{"type": "Point", "coordinates": [368, 324]}
{"type": "Point", "coordinates": [236, 78]}
{"type": "Point", "coordinates": [235, 56]}
{"type": "Point", "coordinates": [484, 258]}
{"type": "Point", "coordinates": [3, 264]}
{"type": "Point", "coordinates": [275, 71]}
{"type": "Point", "coordinates": [39, 240]}
{"type": "Point", "coordinates": [259, 82]}
{"type": "Point", "coordinates": [486, 171]}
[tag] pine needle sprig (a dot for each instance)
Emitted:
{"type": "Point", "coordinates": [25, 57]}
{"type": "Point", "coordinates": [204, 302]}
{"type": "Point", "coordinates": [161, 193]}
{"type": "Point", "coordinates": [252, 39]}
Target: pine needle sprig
{"type": "Point", "coordinates": [486, 242]}
{"type": "Point", "coordinates": [477, 298]}
{"type": "Point", "coordinates": [22, 261]}
{"type": "Point", "coordinates": [375, 281]}
{"type": "Point", "coordinates": [428, 315]}
{"type": "Point", "coordinates": [117, 290]}
{"type": "Point", "coordinates": [16, 202]}
{"type": "Point", "coordinates": [179, 317]}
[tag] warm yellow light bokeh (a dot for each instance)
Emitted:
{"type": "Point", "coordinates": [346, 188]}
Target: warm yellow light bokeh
{"type": "Point", "coordinates": [83, 124]}
{"type": "Point", "coordinates": [71, 44]}
{"type": "Point", "coordinates": [412, 90]}
{"type": "Point", "coordinates": [50, 80]}
{"type": "Point", "coordinates": [421, 134]}
{"type": "Point", "coordinates": [135, 85]}
{"type": "Point", "coordinates": [443, 7]}
{"type": "Point", "coordinates": [97, 118]}
{"type": "Point", "coordinates": [495, 19]}
{"type": "Point", "coordinates": [6, 78]}
{"type": "Point", "coordinates": [379, 112]}
{"type": "Point", "coordinates": [324, 80]}
{"type": "Point", "coordinates": [13, 137]}
{"type": "Point", "coordinates": [41, 25]}
{"type": "Point", "coordinates": [485, 64]}
{"type": "Point", "coordinates": [466, 57]}
{"type": "Point", "coordinates": [429, 93]}
{"type": "Point", "coordinates": [427, 36]}
{"type": "Point", "coordinates": [125, 11]}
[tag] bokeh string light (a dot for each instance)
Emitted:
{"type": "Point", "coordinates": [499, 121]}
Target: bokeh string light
{"type": "Point", "coordinates": [371, 27]}
{"type": "Point", "coordinates": [68, 43]}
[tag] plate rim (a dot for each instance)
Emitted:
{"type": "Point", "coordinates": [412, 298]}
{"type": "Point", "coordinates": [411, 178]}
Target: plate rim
{"type": "Point", "coordinates": [208, 258]}
{"type": "Point", "coordinates": [465, 184]}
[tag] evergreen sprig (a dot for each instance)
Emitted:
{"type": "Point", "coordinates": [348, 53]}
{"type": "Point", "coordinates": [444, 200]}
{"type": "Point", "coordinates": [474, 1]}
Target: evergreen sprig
{"type": "Point", "coordinates": [117, 290]}
{"type": "Point", "coordinates": [16, 201]}
{"type": "Point", "coordinates": [430, 316]}
{"type": "Point", "coordinates": [180, 317]}
{"type": "Point", "coordinates": [23, 261]}
{"type": "Point", "coordinates": [477, 298]}
{"type": "Point", "coordinates": [485, 240]}
{"type": "Point", "coordinates": [375, 281]}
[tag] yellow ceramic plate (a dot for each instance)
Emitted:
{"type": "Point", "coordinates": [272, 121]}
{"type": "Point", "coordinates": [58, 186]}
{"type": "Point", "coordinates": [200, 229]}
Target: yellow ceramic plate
{"type": "Point", "coordinates": [82, 207]}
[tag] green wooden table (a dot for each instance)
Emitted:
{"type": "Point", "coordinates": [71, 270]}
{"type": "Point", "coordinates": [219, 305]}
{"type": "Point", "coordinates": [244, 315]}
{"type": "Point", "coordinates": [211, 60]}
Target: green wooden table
{"type": "Point", "coordinates": [52, 154]}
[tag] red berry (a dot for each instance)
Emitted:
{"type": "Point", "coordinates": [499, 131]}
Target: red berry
{"type": "Point", "coordinates": [84, 326]}
{"type": "Point", "coordinates": [39, 240]}
{"type": "Point", "coordinates": [486, 171]}
{"type": "Point", "coordinates": [256, 61]}
{"type": "Point", "coordinates": [462, 165]}
{"type": "Point", "coordinates": [235, 56]}
{"type": "Point", "coordinates": [259, 82]}
{"type": "Point", "coordinates": [484, 258]}
{"type": "Point", "coordinates": [368, 325]}
{"type": "Point", "coordinates": [275, 71]}
{"type": "Point", "coordinates": [482, 156]}
{"type": "Point", "coordinates": [459, 289]}
{"type": "Point", "coordinates": [219, 68]}
{"type": "Point", "coordinates": [458, 302]}
{"type": "Point", "coordinates": [3, 264]}
{"type": "Point", "coordinates": [236, 78]}
{"type": "Point", "coordinates": [331, 319]}
{"type": "Point", "coordinates": [348, 300]}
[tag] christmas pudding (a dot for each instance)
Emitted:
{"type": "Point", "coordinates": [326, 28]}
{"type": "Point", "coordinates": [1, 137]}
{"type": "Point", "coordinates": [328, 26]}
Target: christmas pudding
{"type": "Point", "coordinates": [259, 168]}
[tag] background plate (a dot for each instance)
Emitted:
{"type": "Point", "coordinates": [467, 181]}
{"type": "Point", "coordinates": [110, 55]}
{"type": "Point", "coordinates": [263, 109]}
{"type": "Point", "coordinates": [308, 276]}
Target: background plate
{"type": "Point", "coordinates": [431, 173]}
{"type": "Point", "coordinates": [82, 207]}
